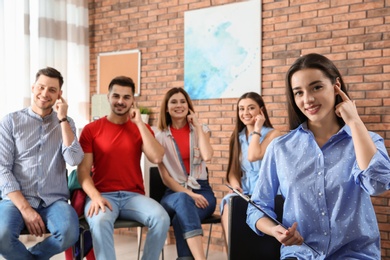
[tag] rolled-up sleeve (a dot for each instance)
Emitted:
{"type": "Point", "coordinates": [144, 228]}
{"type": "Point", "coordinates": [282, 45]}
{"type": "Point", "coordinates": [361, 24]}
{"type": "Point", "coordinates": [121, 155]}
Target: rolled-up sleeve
{"type": "Point", "coordinates": [73, 154]}
{"type": "Point", "coordinates": [8, 181]}
{"type": "Point", "coordinates": [375, 179]}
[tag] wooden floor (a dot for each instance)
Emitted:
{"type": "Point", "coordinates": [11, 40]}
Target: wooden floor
{"type": "Point", "coordinates": [126, 248]}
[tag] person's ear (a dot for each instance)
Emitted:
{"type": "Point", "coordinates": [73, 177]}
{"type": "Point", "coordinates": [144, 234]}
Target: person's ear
{"type": "Point", "coordinates": [337, 84]}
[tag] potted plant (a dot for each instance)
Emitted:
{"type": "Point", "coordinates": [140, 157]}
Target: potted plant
{"type": "Point", "coordinates": [144, 114]}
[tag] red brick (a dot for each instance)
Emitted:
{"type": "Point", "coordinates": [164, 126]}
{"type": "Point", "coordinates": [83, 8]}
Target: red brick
{"type": "Point", "coordinates": [354, 34]}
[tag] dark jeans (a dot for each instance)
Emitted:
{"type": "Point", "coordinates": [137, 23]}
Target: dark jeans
{"type": "Point", "coordinates": [186, 217]}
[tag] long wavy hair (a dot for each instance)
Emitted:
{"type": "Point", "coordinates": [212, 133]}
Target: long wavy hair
{"type": "Point", "coordinates": [234, 165]}
{"type": "Point", "coordinates": [164, 119]}
{"type": "Point", "coordinates": [311, 61]}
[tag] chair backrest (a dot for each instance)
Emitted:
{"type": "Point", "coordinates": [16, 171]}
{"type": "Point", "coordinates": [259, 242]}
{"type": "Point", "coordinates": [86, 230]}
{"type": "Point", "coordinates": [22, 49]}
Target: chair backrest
{"type": "Point", "coordinates": [156, 185]}
{"type": "Point", "coordinates": [243, 242]}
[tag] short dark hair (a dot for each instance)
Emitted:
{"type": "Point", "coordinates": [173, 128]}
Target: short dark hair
{"type": "Point", "coordinates": [122, 81]}
{"type": "Point", "coordinates": [311, 61]}
{"type": "Point", "coordinates": [51, 73]}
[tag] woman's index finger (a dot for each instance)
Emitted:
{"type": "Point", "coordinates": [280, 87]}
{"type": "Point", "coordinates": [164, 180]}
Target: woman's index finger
{"type": "Point", "coordinates": [343, 96]}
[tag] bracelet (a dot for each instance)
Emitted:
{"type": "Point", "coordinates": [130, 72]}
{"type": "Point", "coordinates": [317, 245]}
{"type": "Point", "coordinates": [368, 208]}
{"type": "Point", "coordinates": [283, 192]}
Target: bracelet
{"type": "Point", "coordinates": [65, 119]}
{"type": "Point", "coordinates": [256, 133]}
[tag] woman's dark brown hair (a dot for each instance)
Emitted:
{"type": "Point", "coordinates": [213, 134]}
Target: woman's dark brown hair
{"type": "Point", "coordinates": [164, 120]}
{"type": "Point", "coordinates": [311, 61]}
{"type": "Point", "coordinates": [234, 165]}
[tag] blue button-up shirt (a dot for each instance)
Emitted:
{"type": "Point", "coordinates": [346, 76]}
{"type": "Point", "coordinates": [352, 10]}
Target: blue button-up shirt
{"type": "Point", "coordinates": [33, 158]}
{"type": "Point", "coordinates": [250, 170]}
{"type": "Point", "coordinates": [325, 193]}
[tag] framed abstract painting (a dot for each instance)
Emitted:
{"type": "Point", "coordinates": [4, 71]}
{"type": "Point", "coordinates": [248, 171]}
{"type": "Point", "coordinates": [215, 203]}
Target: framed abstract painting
{"type": "Point", "coordinates": [222, 49]}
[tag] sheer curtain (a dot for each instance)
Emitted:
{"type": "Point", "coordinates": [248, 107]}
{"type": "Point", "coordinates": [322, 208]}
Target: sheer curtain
{"type": "Point", "coordinates": [40, 33]}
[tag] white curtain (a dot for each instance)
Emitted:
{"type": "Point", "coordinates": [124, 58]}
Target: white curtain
{"type": "Point", "coordinates": [40, 33]}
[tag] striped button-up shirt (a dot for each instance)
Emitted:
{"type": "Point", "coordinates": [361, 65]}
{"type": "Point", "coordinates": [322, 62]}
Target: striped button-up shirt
{"type": "Point", "coordinates": [33, 158]}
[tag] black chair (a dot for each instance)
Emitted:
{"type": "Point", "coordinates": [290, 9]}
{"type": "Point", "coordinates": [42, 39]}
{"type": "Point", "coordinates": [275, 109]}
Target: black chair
{"type": "Point", "coordinates": [243, 242]}
{"type": "Point", "coordinates": [156, 192]}
{"type": "Point", "coordinates": [119, 223]}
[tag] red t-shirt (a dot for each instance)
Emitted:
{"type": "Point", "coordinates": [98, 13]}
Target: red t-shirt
{"type": "Point", "coordinates": [182, 138]}
{"type": "Point", "coordinates": [117, 153]}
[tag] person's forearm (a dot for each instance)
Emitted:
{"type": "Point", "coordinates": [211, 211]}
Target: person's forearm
{"type": "Point", "coordinates": [67, 133]}
{"type": "Point", "coordinates": [89, 188]}
{"type": "Point", "coordinates": [255, 151]}
{"type": "Point", "coordinates": [19, 200]}
{"type": "Point", "coordinates": [206, 150]}
{"type": "Point", "coordinates": [84, 176]}
{"type": "Point", "coordinates": [233, 181]}
{"type": "Point", "coordinates": [151, 147]}
{"type": "Point", "coordinates": [169, 181]}
{"type": "Point", "coordinates": [364, 146]}
{"type": "Point", "coordinates": [265, 225]}
{"type": "Point", "coordinates": [86, 183]}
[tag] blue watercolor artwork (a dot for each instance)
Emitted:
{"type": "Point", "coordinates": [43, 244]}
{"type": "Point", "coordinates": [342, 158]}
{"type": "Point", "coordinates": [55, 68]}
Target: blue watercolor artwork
{"type": "Point", "coordinates": [222, 51]}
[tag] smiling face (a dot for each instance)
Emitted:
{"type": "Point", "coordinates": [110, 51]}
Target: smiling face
{"type": "Point", "coordinates": [314, 95]}
{"type": "Point", "coordinates": [248, 109]}
{"type": "Point", "coordinates": [45, 91]}
{"type": "Point", "coordinates": [177, 106]}
{"type": "Point", "coordinates": [121, 99]}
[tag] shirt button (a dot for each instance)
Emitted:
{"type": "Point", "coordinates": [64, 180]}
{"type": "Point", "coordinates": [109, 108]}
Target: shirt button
{"type": "Point", "coordinates": [320, 194]}
{"type": "Point", "coordinates": [325, 234]}
{"type": "Point", "coordinates": [319, 173]}
{"type": "Point", "coordinates": [323, 213]}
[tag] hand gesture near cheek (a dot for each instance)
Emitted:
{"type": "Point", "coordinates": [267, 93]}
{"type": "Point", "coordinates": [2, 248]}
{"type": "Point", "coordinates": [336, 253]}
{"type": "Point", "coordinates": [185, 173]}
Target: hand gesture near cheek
{"type": "Point", "coordinates": [62, 108]}
{"type": "Point", "coordinates": [135, 114]}
{"type": "Point", "coordinates": [191, 118]}
{"type": "Point", "coordinates": [347, 108]}
{"type": "Point", "coordinates": [259, 121]}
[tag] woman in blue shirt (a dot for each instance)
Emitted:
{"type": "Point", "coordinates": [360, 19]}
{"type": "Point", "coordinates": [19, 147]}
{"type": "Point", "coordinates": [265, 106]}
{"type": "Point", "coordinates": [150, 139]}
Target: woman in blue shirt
{"type": "Point", "coordinates": [326, 168]}
{"type": "Point", "coordinates": [248, 142]}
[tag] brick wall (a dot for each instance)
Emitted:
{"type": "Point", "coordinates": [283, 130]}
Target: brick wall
{"type": "Point", "coordinates": [355, 34]}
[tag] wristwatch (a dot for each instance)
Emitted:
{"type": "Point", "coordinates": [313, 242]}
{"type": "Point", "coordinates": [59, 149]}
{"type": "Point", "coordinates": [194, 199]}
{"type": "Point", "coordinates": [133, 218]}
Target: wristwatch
{"type": "Point", "coordinates": [255, 133]}
{"type": "Point", "coordinates": [65, 119]}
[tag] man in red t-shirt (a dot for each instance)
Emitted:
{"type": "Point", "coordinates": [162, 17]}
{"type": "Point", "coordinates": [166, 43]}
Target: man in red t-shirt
{"type": "Point", "coordinates": [113, 146]}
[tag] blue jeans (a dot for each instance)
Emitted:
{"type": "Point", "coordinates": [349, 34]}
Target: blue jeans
{"type": "Point", "coordinates": [131, 206]}
{"type": "Point", "coordinates": [186, 217]}
{"type": "Point", "coordinates": [60, 219]}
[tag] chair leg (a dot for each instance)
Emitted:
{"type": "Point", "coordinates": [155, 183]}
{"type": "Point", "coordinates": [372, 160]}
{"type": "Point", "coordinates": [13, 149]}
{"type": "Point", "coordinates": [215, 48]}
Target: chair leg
{"type": "Point", "coordinates": [82, 244]}
{"type": "Point", "coordinates": [139, 234]}
{"type": "Point", "coordinates": [209, 239]}
{"type": "Point", "coordinates": [162, 254]}
{"type": "Point", "coordinates": [74, 252]}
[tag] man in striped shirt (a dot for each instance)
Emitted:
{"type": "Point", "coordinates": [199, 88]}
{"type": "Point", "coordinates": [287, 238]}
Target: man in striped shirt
{"type": "Point", "coordinates": [35, 145]}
